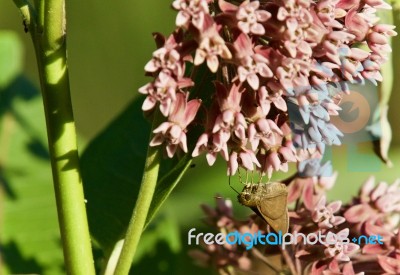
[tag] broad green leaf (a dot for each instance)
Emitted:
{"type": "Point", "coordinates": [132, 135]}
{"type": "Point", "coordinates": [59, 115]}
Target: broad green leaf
{"type": "Point", "coordinates": [112, 167]}
{"type": "Point", "coordinates": [380, 128]}
{"type": "Point", "coordinates": [166, 184]}
{"type": "Point", "coordinates": [395, 95]}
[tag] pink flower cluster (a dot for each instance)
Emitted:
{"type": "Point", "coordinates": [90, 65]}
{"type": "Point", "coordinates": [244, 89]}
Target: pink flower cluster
{"type": "Point", "coordinates": [375, 211]}
{"type": "Point", "coordinates": [279, 67]}
{"type": "Point", "coordinates": [222, 257]}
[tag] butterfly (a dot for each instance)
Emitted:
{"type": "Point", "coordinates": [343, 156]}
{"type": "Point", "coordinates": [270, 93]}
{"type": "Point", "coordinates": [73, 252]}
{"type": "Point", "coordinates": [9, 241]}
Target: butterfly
{"type": "Point", "coordinates": [269, 201]}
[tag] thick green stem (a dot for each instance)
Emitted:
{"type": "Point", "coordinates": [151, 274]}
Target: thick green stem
{"type": "Point", "coordinates": [139, 215]}
{"type": "Point", "coordinates": [50, 45]}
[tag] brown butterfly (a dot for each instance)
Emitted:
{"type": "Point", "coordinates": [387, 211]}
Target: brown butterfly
{"type": "Point", "coordinates": [269, 201]}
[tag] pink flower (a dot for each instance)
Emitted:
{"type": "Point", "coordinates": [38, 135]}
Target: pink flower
{"type": "Point", "coordinates": [356, 24]}
{"type": "Point", "coordinates": [224, 257]}
{"type": "Point", "coordinates": [323, 214]}
{"type": "Point", "coordinates": [372, 69]}
{"type": "Point", "coordinates": [378, 4]}
{"type": "Point", "coordinates": [347, 269]}
{"type": "Point", "coordinates": [306, 185]}
{"type": "Point", "coordinates": [281, 68]}
{"type": "Point", "coordinates": [296, 19]}
{"type": "Point", "coordinates": [374, 202]}
{"type": "Point", "coordinates": [293, 75]}
{"type": "Point", "coordinates": [163, 90]}
{"type": "Point", "coordinates": [164, 59]}
{"type": "Point", "coordinates": [264, 130]}
{"type": "Point", "coordinates": [337, 249]}
{"type": "Point", "coordinates": [191, 12]}
{"type": "Point", "coordinates": [173, 132]}
{"type": "Point", "coordinates": [251, 64]}
{"type": "Point", "coordinates": [377, 39]}
{"type": "Point", "coordinates": [391, 265]}
{"type": "Point", "coordinates": [249, 17]}
{"type": "Point", "coordinates": [245, 157]}
{"type": "Point", "coordinates": [273, 161]}
{"type": "Point", "coordinates": [211, 45]}
{"type": "Point", "coordinates": [230, 120]}
{"type": "Point", "coordinates": [327, 13]}
{"type": "Point", "coordinates": [390, 239]}
{"type": "Point", "coordinates": [212, 145]}
{"type": "Point", "coordinates": [265, 99]}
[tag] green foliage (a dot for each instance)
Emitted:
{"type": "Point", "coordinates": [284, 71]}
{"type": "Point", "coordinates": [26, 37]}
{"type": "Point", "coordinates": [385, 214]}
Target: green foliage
{"type": "Point", "coordinates": [394, 117]}
{"type": "Point", "coordinates": [30, 241]}
{"type": "Point", "coordinates": [380, 127]}
{"type": "Point", "coordinates": [112, 167]}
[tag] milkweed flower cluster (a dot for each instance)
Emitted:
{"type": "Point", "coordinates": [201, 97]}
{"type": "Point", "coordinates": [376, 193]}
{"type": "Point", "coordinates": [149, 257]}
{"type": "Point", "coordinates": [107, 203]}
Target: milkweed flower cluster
{"type": "Point", "coordinates": [280, 68]}
{"type": "Point", "coordinates": [227, 255]}
{"type": "Point", "coordinates": [374, 211]}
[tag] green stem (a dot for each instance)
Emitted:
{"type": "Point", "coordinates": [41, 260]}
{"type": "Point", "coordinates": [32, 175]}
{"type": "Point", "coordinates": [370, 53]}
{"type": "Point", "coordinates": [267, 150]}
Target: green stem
{"type": "Point", "coordinates": [50, 45]}
{"type": "Point", "coordinates": [139, 215]}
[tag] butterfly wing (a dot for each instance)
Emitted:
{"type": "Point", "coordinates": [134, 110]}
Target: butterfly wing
{"type": "Point", "coordinates": [279, 224]}
{"type": "Point", "coordinates": [273, 206]}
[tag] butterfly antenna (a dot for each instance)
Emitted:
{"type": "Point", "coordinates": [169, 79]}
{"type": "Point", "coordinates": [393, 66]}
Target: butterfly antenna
{"type": "Point", "coordinates": [230, 185]}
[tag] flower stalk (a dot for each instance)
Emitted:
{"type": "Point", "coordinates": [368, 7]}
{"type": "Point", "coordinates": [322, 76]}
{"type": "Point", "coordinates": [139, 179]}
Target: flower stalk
{"type": "Point", "coordinates": [46, 22]}
{"type": "Point", "coordinates": [139, 215]}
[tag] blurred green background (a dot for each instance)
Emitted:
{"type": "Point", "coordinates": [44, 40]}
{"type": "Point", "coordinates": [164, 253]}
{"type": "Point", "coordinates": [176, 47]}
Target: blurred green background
{"type": "Point", "coordinates": [109, 43]}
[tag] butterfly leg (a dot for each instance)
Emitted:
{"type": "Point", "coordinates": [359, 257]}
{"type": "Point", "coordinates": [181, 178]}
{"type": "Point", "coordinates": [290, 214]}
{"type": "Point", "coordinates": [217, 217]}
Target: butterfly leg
{"type": "Point", "coordinates": [230, 185]}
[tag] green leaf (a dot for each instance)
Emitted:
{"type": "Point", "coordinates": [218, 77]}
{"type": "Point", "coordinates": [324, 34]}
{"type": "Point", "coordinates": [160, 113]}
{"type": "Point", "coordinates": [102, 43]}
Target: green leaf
{"type": "Point", "coordinates": [380, 128]}
{"type": "Point", "coordinates": [166, 184]}
{"type": "Point", "coordinates": [11, 55]}
{"type": "Point", "coordinates": [164, 229]}
{"type": "Point", "coordinates": [395, 95]}
{"type": "Point", "coordinates": [30, 240]}
{"type": "Point", "coordinates": [112, 168]}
